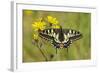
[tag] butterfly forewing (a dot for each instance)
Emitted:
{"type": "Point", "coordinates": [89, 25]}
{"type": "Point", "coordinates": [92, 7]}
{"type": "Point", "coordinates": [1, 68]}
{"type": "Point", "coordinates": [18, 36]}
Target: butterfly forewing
{"type": "Point", "coordinates": [45, 34]}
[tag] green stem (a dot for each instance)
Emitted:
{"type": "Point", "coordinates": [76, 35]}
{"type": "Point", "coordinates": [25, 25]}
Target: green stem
{"type": "Point", "coordinates": [43, 54]}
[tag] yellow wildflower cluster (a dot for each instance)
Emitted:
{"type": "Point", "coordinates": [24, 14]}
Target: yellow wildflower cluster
{"type": "Point", "coordinates": [38, 26]}
{"type": "Point", "coordinates": [52, 20]}
{"type": "Point", "coordinates": [41, 25]}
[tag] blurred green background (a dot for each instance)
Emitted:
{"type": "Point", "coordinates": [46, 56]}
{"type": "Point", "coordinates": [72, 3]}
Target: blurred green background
{"type": "Point", "coordinates": [79, 50]}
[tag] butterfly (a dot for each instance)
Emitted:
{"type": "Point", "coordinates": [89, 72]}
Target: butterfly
{"type": "Point", "coordinates": [60, 38]}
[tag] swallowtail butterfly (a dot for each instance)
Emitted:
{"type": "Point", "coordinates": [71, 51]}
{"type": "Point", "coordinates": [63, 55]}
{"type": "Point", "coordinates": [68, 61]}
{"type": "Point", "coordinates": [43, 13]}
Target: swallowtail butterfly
{"type": "Point", "coordinates": [60, 38]}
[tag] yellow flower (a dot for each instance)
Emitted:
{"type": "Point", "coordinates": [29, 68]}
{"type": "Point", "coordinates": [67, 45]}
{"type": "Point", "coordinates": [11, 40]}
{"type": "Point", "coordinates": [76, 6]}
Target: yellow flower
{"type": "Point", "coordinates": [35, 36]}
{"type": "Point", "coordinates": [56, 27]}
{"type": "Point", "coordinates": [52, 20]}
{"type": "Point", "coordinates": [40, 25]}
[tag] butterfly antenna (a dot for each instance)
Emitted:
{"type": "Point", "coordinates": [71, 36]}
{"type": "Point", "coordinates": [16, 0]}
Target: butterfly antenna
{"type": "Point", "coordinates": [56, 53]}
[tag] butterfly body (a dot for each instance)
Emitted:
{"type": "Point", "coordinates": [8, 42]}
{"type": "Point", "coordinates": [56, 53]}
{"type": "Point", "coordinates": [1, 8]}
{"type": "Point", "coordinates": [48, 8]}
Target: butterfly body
{"type": "Point", "coordinates": [60, 38]}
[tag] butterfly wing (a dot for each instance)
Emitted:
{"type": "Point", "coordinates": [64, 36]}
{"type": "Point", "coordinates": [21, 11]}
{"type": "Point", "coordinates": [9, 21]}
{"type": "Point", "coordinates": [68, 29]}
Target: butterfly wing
{"type": "Point", "coordinates": [61, 38]}
{"type": "Point", "coordinates": [72, 34]}
{"type": "Point", "coordinates": [48, 34]}
{"type": "Point", "coordinates": [44, 34]}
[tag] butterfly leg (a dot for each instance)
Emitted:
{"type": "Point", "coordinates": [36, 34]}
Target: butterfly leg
{"type": "Point", "coordinates": [56, 50]}
{"type": "Point", "coordinates": [67, 50]}
{"type": "Point", "coordinates": [56, 54]}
